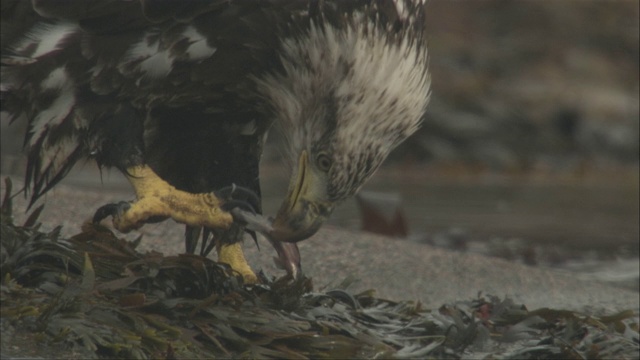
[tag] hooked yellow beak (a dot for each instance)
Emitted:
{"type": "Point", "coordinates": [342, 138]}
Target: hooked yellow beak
{"type": "Point", "coordinates": [305, 208]}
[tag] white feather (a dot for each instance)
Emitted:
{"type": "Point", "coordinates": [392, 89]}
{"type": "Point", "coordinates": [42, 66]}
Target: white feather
{"type": "Point", "coordinates": [372, 84]}
{"type": "Point", "coordinates": [60, 108]}
{"type": "Point", "coordinates": [198, 49]}
{"type": "Point", "coordinates": [153, 61]}
{"type": "Point", "coordinates": [386, 84]}
{"type": "Point", "coordinates": [57, 79]}
{"type": "Point", "coordinates": [53, 115]}
{"type": "Point", "coordinates": [157, 65]}
{"type": "Point", "coordinates": [46, 38]}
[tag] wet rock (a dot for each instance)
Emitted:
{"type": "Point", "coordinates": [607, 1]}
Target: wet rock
{"type": "Point", "coordinates": [382, 213]}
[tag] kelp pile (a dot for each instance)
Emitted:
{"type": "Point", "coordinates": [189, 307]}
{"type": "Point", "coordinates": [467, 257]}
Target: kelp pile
{"type": "Point", "coordinates": [94, 296]}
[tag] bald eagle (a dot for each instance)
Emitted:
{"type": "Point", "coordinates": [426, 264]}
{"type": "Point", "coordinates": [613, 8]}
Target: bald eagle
{"type": "Point", "coordinates": [180, 96]}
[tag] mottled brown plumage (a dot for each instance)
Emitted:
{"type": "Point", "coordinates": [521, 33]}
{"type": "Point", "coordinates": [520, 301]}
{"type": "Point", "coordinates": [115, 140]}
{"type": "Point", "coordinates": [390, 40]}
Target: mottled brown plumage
{"type": "Point", "coordinates": [192, 88]}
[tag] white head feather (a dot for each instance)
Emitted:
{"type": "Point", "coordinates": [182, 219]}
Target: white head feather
{"type": "Point", "coordinates": [352, 94]}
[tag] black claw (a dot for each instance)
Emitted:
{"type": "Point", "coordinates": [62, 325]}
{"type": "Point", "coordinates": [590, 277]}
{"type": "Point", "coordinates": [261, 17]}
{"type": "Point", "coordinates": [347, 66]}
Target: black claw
{"type": "Point", "coordinates": [242, 205]}
{"type": "Point", "coordinates": [191, 236]}
{"type": "Point", "coordinates": [254, 237]}
{"type": "Point", "coordinates": [208, 242]}
{"type": "Point", "coordinates": [110, 210]}
{"type": "Point", "coordinates": [239, 193]}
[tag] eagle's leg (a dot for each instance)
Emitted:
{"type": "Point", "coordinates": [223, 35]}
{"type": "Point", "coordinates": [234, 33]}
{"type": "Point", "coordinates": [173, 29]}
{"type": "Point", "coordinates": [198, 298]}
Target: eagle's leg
{"type": "Point", "coordinates": [158, 199]}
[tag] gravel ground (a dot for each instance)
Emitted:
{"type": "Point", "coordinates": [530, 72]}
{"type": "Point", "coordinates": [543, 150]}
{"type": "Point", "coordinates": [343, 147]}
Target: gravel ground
{"type": "Point", "coordinates": [397, 269]}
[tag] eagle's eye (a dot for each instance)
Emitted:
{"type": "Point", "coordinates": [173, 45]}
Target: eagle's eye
{"type": "Point", "coordinates": [323, 161]}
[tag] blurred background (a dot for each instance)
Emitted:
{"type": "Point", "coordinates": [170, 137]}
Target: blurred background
{"type": "Point", "coordinates": [530, 148]}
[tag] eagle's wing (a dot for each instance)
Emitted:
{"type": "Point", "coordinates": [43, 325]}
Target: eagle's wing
{"type": "Point", "coordinates": [68, 66]}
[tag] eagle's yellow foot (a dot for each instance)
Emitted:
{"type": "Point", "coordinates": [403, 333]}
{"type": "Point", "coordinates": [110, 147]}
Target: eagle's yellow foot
{"type": "Point", "coordinates": [232, 255]}
{"type": "Point", "coordinates": [157, 199]}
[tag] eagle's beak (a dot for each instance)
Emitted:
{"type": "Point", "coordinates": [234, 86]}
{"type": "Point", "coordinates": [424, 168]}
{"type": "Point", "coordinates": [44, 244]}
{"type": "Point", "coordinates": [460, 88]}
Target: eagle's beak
{"type": "Point", "coordinates": [305, 208]}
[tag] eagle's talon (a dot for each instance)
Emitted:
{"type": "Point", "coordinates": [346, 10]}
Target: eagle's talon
{"type": "Point", "coordinates": [232, 194]}
{"type": "Point", "coordinates": [123, 218]}
{"type": "Point", "coordinates": [238, 204]}
{"type": "Point", "coordinates": [254, 236]}
{"type": "Point", "coordinates": [114, 210]}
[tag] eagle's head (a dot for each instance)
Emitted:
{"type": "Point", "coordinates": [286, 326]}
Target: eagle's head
{"type": "Point", "coordinates": [344, 99]}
